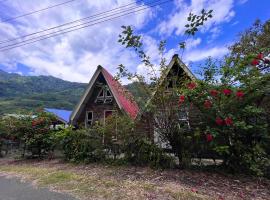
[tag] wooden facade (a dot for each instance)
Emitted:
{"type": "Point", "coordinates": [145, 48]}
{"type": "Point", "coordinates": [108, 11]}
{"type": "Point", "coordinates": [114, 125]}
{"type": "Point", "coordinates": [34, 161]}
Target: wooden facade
{"type": "Point", "coordinates": [103, 96]}
{"type": "Point", "coordinates": [176, 74]}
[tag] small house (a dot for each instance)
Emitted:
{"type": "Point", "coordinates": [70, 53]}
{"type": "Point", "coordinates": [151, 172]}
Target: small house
{"type": "Point", "coordinates": [103, 96]}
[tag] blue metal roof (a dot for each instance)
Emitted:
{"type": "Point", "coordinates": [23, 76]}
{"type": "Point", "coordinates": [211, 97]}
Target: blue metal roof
{"type": "Point", "coordinates": [61, 114]}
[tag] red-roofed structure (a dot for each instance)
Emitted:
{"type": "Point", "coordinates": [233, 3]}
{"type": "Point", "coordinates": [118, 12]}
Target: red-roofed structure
{"type": "Point", "coordinates": [103, 96]}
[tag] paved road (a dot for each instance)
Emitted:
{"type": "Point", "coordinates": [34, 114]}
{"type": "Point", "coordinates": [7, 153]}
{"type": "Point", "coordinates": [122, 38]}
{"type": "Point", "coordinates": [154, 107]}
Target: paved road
{"type": "Point", "coordinates": [13, 189]}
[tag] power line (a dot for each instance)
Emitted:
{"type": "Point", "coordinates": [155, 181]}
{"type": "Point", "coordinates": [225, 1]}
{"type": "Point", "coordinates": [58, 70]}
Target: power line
{"type": "Point", "coordinates": [69, 23]}
{"type": "Point", "coordinates": [71, 27]}
{"type": "Point", "coordinates": [36, 11]}
{"type": "Point", "coordinates": [4, 48]}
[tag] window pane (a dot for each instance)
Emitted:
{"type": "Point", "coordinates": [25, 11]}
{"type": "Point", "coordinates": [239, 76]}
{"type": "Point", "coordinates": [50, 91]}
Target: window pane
{"type": "Point", "coordinates": [108, 113]}
{"type": "Point", "coordinates": [89, 116]}
{"type": "Point", "coordinates": [108, 93]}
{"type": "Point", "coordinates": [101, 93]}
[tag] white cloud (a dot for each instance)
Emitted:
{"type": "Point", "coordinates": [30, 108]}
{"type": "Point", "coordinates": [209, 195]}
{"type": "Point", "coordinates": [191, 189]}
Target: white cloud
{"type": "Point", "coordinates": [72, 56]}
{"type": "Point", "coordinates": [222, 12]}
{"type": "Point", "coordinates": [201, 54]}
{"type": "Point", "coordinates": [191, 43]}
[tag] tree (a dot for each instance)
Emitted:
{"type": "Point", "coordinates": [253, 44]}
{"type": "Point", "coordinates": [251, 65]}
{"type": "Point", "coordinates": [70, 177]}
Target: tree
{"type": "Point", "coordinates": [234, 123]}
{"type": "Point", "coordinates": [162, 109]}
{"type": "Point", "coordinates": [254, 42]}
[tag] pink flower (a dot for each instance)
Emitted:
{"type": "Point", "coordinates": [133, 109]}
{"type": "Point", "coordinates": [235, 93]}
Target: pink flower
{"type": "Point", "coordinates": [214, 93]}
{"type": "Point", "coordinates": [219, 121]}
{"type": "Point", "coordinates": [191, 85]}
{"type": "Point", "coordinates": [255, 62]}
{"type": "Point", "coordinates": [228, 121]}
{"type": "Point", "coordinates": [239, 94]}
{"type": "Point", "coordinates": [207, 104]}
{"type": "Point", "coordinates": [193, 190]}
{"type": "Point", "coordinates": [227, 92]}
{"type": "Point", "coordinates": [209, 137]}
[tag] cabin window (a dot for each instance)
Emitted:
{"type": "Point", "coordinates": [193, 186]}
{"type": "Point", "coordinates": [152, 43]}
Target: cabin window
{"type": "Point", "coordinates": [183, 118]}
{"type": "Point", "coordinates": [89, 118]}
{"type": "Point", "coordinates": [101, 93]}
{"type": "Point", "coordinates": [108, 113]}
{"type": "Point", "coordinates": [108, 93]}
{"type": "Point", "coordinates": [104, 96]}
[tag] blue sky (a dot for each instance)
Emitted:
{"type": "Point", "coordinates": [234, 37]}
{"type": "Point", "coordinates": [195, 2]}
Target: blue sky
{"type": "Point", "coordinates": [74, 56]}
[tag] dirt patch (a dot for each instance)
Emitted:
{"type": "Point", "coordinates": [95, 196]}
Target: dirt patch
{"type": "Point", "coordinates": [96, 181]}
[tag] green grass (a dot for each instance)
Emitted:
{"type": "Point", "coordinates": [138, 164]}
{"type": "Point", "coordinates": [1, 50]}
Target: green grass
{"type": "Point", "coordinates": [98, 185]}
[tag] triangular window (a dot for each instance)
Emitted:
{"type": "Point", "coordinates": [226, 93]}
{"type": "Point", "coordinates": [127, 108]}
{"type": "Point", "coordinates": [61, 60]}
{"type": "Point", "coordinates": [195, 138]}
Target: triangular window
{"type": "Point", "coordinates": [104, 96]}
{"type": "Point", "coordinates": [101, 93]}
{"type": "Point", "coordinates": [108, 93]}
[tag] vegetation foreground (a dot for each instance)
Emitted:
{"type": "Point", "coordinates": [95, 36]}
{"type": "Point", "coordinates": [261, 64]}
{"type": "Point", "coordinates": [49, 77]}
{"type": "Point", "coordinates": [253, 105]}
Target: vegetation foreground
{"type": "Point", "coordinates": [96, 181]}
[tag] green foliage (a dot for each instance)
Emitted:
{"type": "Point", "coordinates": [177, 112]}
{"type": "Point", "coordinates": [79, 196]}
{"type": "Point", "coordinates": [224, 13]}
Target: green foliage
{"type": "Point", "coordinates": [32, 131]}
{"type": "Point", "coordinates": [82, 145]}
{"type": "Point", "coordinates": [140, 151]}
{"type": "Point", "coordinates": [234, 120]}
{"type": "Point", "coordinates": [195, 21]}
{"type": "Point", "coordinates": [114, 143]}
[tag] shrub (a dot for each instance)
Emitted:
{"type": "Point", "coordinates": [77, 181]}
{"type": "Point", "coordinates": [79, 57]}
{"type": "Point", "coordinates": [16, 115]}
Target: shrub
{"type": "Point", "coordinates": [142, 152]}
{"type": "Point", "coordinates": [32, 131]}
{"type": "Point", "coordinates": [82, 145]}
{"type": "Point", "coordinates": [234, 123]}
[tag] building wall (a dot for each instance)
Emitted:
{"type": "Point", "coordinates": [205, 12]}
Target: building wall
{"type": "Point", "coordinates": [97, 109]}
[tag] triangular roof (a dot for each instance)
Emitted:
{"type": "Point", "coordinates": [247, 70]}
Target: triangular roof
{"type": "Point", "coordinates": [175, 60]}
{"type": "Point", "coordinates": [123, 97]}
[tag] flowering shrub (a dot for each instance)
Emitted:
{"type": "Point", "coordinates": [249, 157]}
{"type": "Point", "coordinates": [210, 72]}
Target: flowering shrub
{"type": "Point", "coordinates": [234, 120]}
{"type": "Point", "coordinates": [32, 131]}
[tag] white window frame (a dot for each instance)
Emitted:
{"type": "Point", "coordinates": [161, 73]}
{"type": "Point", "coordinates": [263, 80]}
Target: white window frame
{"type": "Point", "coordinates": [87, 120]}
{"type": "Point", "coordinates": [101, 90]}
{"type": "Point", "coordinates": [105, 98]}
{"type": "Point", "coordinates": [108, 90]}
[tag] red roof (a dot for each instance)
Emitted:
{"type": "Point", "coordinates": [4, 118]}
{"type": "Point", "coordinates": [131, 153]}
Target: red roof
{"type": "Point", "coordinates": [123, 96]}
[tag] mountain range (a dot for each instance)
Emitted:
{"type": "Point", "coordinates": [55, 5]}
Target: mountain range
{"type": "Point", "coordinates": [25, 93]}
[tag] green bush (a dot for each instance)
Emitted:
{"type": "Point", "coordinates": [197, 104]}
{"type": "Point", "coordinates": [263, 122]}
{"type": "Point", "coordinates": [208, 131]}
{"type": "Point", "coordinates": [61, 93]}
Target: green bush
{"type": "Point", "coordinates": [97, 145]}
{"type": "Point", "coordinates": [82, 145]}
{"type": "Point", "coordinates": [142, 152]}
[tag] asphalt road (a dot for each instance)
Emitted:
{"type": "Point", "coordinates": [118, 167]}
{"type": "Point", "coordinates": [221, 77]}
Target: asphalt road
{"type": "Point", "coordinates": [14, 189]}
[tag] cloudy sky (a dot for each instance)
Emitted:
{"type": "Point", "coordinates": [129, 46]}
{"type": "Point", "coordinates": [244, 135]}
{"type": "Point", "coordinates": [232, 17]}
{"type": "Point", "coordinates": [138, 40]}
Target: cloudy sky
{"type": "Point", "coordinates": [74, 56]}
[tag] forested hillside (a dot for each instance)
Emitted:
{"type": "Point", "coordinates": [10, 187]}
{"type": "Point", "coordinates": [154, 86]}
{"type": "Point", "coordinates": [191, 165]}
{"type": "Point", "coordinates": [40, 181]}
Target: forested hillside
{"type": "Point", "coordinates": [20, 93]}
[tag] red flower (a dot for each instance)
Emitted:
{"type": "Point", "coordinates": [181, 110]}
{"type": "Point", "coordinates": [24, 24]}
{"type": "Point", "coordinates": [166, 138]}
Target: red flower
{"type": "Point", "coordinates": [191, 85]}
{"type": "Point", "coordinates": [239, 94]}
{"type": "Point", "coordinates": [181, 99]}
{"type": "Point", "coordinates": [219, 121]}
{"type": "Point", "coordinates": [207, 104]}
{"type": "Point", "coordinates": [228, 121]}
{"type": "Point", "coordinates": [255, 62]}
{"type": "Point", "coordinates": [227, 92]}
{"type": "Point", "coordinates": [209, 137]}
{"type": "Point", "coordinates": [214, 93]}
{"type": "Point", "coordinates": [34, 123]}
{"type": "Point", "coordinates": [260, 56]}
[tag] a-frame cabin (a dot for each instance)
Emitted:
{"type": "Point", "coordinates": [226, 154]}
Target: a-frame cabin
{"type": "Point", "coordinates": [103, 96]}
{"type": "Point", "coordinates": [174, 75]}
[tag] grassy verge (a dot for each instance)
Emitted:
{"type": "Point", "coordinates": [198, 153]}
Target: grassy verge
{"type": "Point", "coordinates": [99, 184]}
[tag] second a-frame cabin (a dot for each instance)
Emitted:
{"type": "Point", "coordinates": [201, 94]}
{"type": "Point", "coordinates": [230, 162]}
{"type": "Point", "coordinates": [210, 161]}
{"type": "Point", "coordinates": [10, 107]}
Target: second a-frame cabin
{"type": "Point", "coordinates": [103, 96]}
{"type": "Point", "coordinates": [174, 76]}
